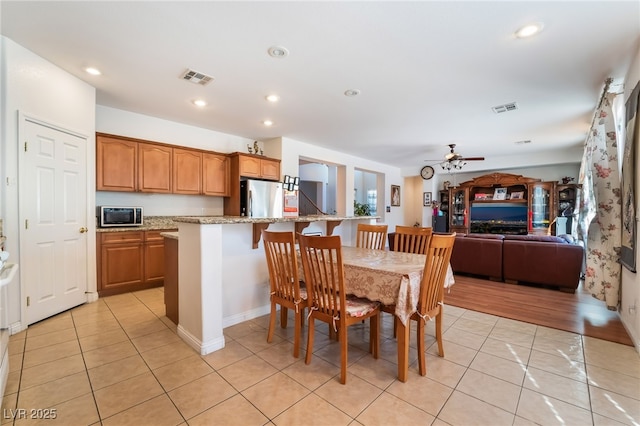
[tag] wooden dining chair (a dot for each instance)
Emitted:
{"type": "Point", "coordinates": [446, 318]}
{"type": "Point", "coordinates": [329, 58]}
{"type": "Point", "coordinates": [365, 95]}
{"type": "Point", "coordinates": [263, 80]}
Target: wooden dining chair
{"type": "Point", "coordinates": [371, 236]}
{"type": "Point", "coordinates": [328, 301]}
{"type": "Point", "coordinates": [430, 302]}
{"type": "Point", "coordinates": [412, 239]}
{"type": "Point", "coordinates": [286, 291]}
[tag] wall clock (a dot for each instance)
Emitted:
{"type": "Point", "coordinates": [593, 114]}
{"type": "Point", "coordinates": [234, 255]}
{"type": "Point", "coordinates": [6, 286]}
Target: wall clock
{"type": "Point", "coordinates": [427, 172]}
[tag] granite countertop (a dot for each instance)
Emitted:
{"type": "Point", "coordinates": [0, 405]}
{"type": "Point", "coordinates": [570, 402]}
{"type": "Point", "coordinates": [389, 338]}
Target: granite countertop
{"type": "Point", "coordinates": [172, 235]}
{"type": "Point", "coordinates": [152, 223]}
{"type": "Point", "coordinates": [217, 220]}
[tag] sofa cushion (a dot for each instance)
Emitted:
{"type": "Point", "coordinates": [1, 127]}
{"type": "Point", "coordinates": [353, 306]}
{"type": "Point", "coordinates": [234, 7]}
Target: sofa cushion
{"type": "Point", "coordinates": [541, 238]}
{"type": "Point", "coordinates": [478, 256]}
{"type": "Point", "coordinates": [487, 236]}
{"type": "Point", "coordinates": [540, 262]}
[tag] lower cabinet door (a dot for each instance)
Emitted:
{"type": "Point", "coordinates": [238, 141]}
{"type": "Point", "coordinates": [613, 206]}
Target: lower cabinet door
{"type": "Point", "coordinates": [122, 265]}
{"type": "Point", "coordinates": [154, 261]}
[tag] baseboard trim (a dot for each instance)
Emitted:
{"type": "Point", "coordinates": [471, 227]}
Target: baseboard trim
{"type": "Point", "coordinates": [202, 347]}
{"type": "Point", "coordinates": [245, 316]}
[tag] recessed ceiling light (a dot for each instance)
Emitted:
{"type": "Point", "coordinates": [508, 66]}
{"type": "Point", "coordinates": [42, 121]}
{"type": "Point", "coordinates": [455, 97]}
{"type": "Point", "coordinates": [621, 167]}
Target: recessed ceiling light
{"type": "Point", "coordinates": [273, 98]}
{"type": "Point", "coordinates": [200, 103]}
{"type": "Point", "coordinates": [93, 71]}
{"type": "Point", "coordinates": [530, 30]}
{"type": "Point", "coordinates": [278, 51]}
{"type": "Point", "coordinates": [351, 92]}
{"type": "Point", "coordinates": [267, 123]}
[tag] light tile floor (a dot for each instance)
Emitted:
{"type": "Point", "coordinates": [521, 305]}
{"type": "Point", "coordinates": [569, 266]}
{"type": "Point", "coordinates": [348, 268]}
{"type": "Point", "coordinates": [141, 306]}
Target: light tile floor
{"type": "Point", "coordinates": [119, 361]}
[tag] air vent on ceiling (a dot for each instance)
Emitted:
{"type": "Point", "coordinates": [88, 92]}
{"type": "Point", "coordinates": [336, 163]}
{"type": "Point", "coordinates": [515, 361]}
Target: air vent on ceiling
{"type": "Point", "coordinates": [196, 77]}
{"type": "Point", "coordinates": [524, 142]}
{"type": "Point", "coordinates": [504, 108]}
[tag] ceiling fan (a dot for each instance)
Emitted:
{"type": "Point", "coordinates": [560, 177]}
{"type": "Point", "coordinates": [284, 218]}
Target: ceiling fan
{"type": "Point", "coordinates": [455, 161]}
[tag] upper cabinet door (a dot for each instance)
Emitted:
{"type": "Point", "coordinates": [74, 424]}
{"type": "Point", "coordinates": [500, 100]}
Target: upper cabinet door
{"type": "Point", "coordinates": [215, 174]}
{"type": "Point", "coordinates": [116, 164]}
{"type": "Point", "coordinates": [270, 169]}
{"type": "Point", "coordinates": [154, 168]}
{"type": "Point", "coordinates": [187, 171]}
{"type": "Point", "coordinates": [249, 166]}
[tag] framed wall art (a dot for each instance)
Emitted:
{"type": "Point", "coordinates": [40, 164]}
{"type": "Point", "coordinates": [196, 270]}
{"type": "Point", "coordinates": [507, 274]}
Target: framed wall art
{"type": "Point", "coordinates": [426, 199]}
{"type": "Point", "coordinates": [395, 195]}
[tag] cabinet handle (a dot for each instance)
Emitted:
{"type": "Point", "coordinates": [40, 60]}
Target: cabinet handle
{"type": "Point", "coordinates": [83, 230]}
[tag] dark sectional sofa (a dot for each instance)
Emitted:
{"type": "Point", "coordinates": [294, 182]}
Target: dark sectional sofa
{"type": "Point", "coordinates": [538, 259]}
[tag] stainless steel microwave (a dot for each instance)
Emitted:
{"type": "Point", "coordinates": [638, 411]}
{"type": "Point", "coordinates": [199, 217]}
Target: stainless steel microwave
{"type": "Point", "coordinates": [109, 216]}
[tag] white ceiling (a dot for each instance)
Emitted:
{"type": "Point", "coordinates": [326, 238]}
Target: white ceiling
{"type": "Point", "coordinates": [429, 72]}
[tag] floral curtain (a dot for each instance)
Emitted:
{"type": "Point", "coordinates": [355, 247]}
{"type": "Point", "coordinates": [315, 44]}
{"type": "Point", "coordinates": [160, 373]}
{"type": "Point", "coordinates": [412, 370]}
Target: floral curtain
{"type": "Point", "coordinates": [599, 219]}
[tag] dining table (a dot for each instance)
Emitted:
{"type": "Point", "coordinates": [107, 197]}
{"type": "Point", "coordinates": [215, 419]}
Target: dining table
{"type": "Point", "coordinates": [392, 278]}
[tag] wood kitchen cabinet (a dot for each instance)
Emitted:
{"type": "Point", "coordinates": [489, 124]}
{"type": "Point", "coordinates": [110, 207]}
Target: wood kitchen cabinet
{"type": "Point", "coordinates": [120, 262]}
{"type": "Point", "coordinates": [247, 166]}
{"type": "Point", "coordinates": [117, 164]}
{"type": "Point", "coordinates": [256, 166]}
{"type": "Point", "coordinates": [153, 257]}
{"type": "Point", "coordinates": [171, 279]}
{"type": "Point", "coordinates": [215, 174]}
{"type": "Point", "coordinates": [129, 261]}
{"type": "Point", "coordinates": [125, 164]}
{"type": "Point", "coordinates": [134, 165]}
{"type": "Point", "coordinates": [187, 171]}
{"type": "Point", "coordinates": [154, 168]}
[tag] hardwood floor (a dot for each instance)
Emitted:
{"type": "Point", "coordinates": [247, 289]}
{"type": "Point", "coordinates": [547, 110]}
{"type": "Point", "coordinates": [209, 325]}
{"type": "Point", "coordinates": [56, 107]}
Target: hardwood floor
{"type": "Point", "coordinates": [578, 313]}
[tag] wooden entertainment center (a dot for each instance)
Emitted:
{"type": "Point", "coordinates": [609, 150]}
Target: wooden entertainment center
{"type": "Point", "coordinates": [502, 203]}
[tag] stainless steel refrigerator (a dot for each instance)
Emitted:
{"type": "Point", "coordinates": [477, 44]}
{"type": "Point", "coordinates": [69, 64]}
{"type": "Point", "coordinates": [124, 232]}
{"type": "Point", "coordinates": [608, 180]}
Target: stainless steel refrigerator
{"type": "Point", "coordinates": [259, 198]}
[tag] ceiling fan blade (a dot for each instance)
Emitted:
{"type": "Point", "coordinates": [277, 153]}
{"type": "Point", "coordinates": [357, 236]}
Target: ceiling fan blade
{"type": "Point", "coordinates": [471, 158]}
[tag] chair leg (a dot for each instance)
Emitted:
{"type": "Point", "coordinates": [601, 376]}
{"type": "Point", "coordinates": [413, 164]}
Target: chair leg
{"type": "Point", "coordinates": [283, 316]}
{"type": "Point", "coordinates": [439, 333]}
{"type": "Point", "coordinates": [342, 332]}
{"type": "Point", "coordinates": [310, 332]}
{"type": "Point", "coordinates": [374, 335]}
{"type": "Point", "coordinates": [395, 326]}
{"type": "Point", "coordinates": [297, 331]}
{"type": "Point", "coordinates": [332, 333]}
{"type": "Point", "coordinates": [422, 368]}
{"type": "Point", "coordinates": [272, 322]}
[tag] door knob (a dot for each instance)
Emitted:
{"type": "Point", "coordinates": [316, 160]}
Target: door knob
{"type": "Point", "coordinates": [83, 230]}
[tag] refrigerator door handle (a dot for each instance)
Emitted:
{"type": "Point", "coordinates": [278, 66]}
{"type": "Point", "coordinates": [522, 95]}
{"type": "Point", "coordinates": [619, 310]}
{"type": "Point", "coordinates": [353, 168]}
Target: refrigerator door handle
{"type": "Point", "coordinates": [250, 203]}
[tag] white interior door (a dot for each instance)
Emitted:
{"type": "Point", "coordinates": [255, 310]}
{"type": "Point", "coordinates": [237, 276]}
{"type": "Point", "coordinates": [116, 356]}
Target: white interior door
{"type": "Point", "coordinates": [53, 193]}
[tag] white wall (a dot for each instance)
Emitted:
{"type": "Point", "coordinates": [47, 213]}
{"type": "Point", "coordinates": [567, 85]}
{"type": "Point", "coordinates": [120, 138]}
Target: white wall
{"type": "Point", "coordinates": [630, 282]}
{"type": "Point", "coordinates": [34, 86]}
{"type": "Point", "coordinates": [293, 150]}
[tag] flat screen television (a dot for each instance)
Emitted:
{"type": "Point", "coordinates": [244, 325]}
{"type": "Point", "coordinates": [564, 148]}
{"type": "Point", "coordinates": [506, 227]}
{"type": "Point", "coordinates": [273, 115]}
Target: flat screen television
{"type": "Point", "coordinates": [499, 218]}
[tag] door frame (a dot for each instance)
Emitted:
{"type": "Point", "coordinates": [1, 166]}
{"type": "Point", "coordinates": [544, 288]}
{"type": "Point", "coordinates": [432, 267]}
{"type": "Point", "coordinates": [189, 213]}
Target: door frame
{"type": "Point", "coordinates": [91, 291]}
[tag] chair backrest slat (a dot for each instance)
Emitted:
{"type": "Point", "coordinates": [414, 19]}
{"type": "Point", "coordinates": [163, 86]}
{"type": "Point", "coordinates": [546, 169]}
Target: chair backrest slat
{"type": "Point", "coordinates": [371, 236]}
{"type": "Point", "coordinates": [324, 272]}
{"type": "Point", "coordinates": [435, 272]}
{"type": "Point", "coordinates": [282, 262]}
{"type": "Point", "coordinates": [411, 239]}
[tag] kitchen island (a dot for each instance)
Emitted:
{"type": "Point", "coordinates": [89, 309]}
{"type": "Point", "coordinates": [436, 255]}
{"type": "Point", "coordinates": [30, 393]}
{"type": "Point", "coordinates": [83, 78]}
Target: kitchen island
{"type": "Point", "coordinates": [223, 278]}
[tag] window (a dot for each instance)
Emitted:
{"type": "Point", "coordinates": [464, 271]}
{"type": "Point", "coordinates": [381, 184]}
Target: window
{"type": "Point", "coordinates": [372, 201]}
